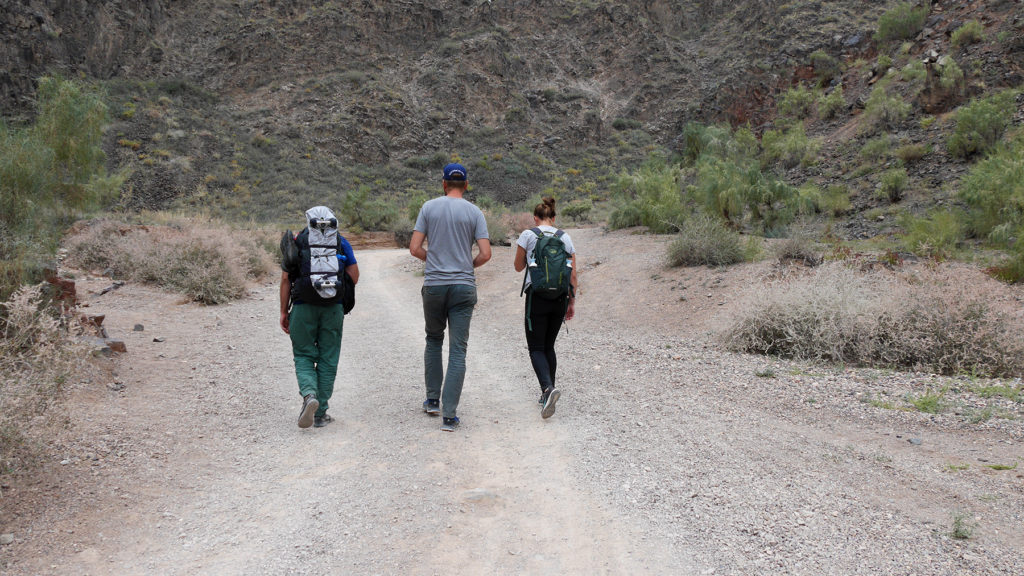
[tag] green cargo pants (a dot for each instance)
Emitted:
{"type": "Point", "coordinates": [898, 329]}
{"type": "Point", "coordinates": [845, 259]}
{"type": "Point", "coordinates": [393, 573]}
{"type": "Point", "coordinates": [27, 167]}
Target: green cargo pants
{"type": "Point", "coordinates": [316, 344]}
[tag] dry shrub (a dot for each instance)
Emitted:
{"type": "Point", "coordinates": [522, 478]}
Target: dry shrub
{"type": "Point", "coordinates": [877, 319]}
{"type": "Point", "coordinates": [520, 221]}
{"type": "Point", "coordinates": [208, 265]}
{"type": "Point", "coordinates": [37, 356]}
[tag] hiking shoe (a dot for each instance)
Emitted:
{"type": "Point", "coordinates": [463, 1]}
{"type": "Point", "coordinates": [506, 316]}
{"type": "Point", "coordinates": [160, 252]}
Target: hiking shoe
{"type": "Point", "coordinates": [321, 421]}
{"type": "Point", "coordinates": [544, 396]}
{"type": "Point", "coordinates": [309, 407]}
{"type": "Point", "coordinates": [549, 402]}
{"type": "Point", "coordinates": [432, 407]}
{"type": "Point", "coordinates": [449, 424]}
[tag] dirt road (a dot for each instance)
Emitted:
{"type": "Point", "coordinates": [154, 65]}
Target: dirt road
{"type": "Point", "coordinates": [666, 455]}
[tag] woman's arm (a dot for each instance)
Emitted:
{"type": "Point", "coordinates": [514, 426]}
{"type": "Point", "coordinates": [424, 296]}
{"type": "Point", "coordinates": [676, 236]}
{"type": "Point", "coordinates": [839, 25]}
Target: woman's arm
{"type": "Point", "coordinates": [570, 310]}
{"type": "Point", "coordinates": [520, 260]}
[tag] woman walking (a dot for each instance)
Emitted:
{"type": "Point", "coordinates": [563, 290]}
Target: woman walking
{"type": "Point", "coordinates": [550, 288]}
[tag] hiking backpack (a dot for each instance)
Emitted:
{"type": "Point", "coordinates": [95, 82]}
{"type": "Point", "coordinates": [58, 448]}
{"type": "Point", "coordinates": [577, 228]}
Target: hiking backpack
{"type": "Point", "coordinates": [316, 262]}
{"type": "Point", "coordinates": [551, 268]}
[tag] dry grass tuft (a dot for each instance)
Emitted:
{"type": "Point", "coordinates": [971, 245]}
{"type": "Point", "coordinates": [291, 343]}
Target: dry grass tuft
{"type": "Point", "coordinates": [837, 314]}
{"type": "Point", "coordinates": [37, 357]}
{"type": "Point", "coordinates": [207, 264]}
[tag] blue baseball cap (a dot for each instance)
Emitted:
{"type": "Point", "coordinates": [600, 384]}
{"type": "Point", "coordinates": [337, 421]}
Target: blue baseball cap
{"type": "Point", "coordinates": [455, 172]}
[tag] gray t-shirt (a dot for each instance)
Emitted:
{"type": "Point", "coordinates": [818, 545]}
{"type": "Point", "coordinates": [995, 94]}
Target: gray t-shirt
{"type": "Point", "coordinates": [528, 241]}
{"type": "Point", "coordinates": [451, 226]}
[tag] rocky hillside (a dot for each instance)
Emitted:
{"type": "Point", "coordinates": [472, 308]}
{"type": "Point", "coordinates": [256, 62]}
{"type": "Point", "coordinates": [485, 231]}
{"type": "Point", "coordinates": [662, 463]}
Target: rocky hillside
{"type": "Point", "coordinates": [248, 106]}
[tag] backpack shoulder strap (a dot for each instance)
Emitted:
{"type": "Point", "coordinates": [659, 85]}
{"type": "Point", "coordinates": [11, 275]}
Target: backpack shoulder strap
{"type": "Point", "coordinates": [537, 231]}
{"type": "Point", "coordinates": [559, 233]}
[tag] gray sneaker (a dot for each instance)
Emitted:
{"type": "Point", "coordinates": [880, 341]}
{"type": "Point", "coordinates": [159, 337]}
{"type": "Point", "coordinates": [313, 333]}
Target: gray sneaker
{"type": "Point", "coordinates": [309, 407]}
{"type": "Point", "coordinates": [549, 402]}
{"type": "Point", "coordinates": [321, 421]}
{"type": "Point", "coordinates": [449, 424]}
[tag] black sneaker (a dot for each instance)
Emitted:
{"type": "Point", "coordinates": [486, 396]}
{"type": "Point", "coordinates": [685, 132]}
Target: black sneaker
{"type": "Point", "coordinates": [543, 396]}
{"type": "Point", "coordinates": [432, 407]}
{"type": "Point", "coordinates": [309, 407]}
{"type": "Point", "coordinates": [321, 421]}
{"type": "Point", "coordinates": [449, 424]}
{"type": "Point", "coordinates": [549, 402]}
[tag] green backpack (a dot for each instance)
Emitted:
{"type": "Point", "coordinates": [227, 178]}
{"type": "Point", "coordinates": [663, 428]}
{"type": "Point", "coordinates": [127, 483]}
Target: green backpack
{"type": "Point", "coordinates": [550, 269]}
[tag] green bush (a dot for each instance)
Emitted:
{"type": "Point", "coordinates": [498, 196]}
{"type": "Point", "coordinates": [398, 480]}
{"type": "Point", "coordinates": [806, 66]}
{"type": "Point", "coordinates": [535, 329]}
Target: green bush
{"type": "Point", "coordinates": [625, 124]}
{"type": "Point", "coordinates": [825, 66]}
{"type": "Point", "coordinates": [994, 193]}
{"type": "Point", "coordinates": [738, 191]}
{"type": "Point", "coordinates": [717, 141]}
{"type": "Point", "coordinates": [705, 241]}
{"type": "Point", "coordinates": [935, 236]}
{"type": "Point", "coordinates": [50, 173]}
{"type": "Point", "coordinates": [914, 71]}
{"type": "Point", "coordinates": [360, 211]}
{"type": "Point", "coordinates": [883, 63]}
{"type": "Point", "coordinates": [951, 76]}
{"type": "Point", "coordinates": [892, 184]}
{"type": "Point", "coordinates": [970, 33]}
{"type": "Point", "coordinates": [901, 22]}
{"type": "Point", "coordinates": [911, 153]}
{"type": "Point", "coordinates": [835, 201]}
{"type": "Point", "coordinates": [981, 123]}
{"type": "Point", "coordinates": [654, 193]}
{"type": "Point", "coordinates": [829, 105]}
{"type": "Point", "coordinates": [625, 216]}
{"type": "Point", "coordinates": [876, 148]}
{"type": "Point", "coordinates": [790, 148]}
{"type": "Point", "coordinates": [883, 111]}
{"type": "Point", "coordinates": [578, 210]}
{"type": "Point", "coordinates": [796, 103]}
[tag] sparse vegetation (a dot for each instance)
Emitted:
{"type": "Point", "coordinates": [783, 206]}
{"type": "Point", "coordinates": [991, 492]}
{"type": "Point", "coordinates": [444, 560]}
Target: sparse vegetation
{"type": "Point", "coordinates": [50, 173]}
{"type": "Point", "coordinates": [936, 235]}
{"type": "Point", "coordinates": [210, 266]}
{"type": "Point", "coordinates": [705, 241]}
{"type": "Point", "coordinates": [796, 104]}
{"type": "Point", "coordinates": [902, 22]}
{"type": "Point", "coordinates": [981, 123]}
{"type": "Point", "coordinates": [892, 184]}
{"type": "Point", "coordinates": [911, 153]}
{"type": "Point", "coordinates": [837, 315]}
{"type": "Point", "coordinates": [963, 526]}
{"type": "Point", "coordinates": [652, 197]}
{"type": "Point", "coordinates": [883, 111]}
{"type": "Point", "coordinates": [831, 103]}
{"type": "Point", "coordinates": [791, 147]}
{"type": "Point", "coordinates": [971, 32]}
{"type": "Point", "coordinates": [929, 402]}
{"type": "Point", "coordinates": [38, 355]}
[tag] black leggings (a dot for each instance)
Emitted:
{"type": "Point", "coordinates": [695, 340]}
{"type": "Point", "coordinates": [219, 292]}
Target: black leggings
{"type": "Point", "coordinates": [542, 325]}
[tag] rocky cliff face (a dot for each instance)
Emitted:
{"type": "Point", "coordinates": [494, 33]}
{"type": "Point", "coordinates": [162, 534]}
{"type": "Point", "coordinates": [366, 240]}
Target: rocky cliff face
{"type": "Point", "coordinates": [562, 67]}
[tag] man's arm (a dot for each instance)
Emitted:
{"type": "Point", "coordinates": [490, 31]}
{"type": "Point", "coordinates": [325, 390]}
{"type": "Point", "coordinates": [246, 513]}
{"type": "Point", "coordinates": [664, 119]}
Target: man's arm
{"type": "Point", "coordinates": [353, 273]}
{"type": "Point", "coordinates": [286, 292]}
{"type": "Point", "coordinates": [416, 245]}
{"type": "Point", "coordinates": [484, 255]}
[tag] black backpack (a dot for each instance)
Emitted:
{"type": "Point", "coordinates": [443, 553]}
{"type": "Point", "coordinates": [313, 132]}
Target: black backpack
{"type": "Point", "coordinates": [550, 270]}
{"type": "Point", "coordinates": [296, 255]}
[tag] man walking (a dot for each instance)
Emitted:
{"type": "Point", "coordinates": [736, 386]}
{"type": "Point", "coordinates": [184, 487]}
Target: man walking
{"type": "Point", "coordinates": [450, 225]}
{"type": "Point", "coordinates": [313, 278]}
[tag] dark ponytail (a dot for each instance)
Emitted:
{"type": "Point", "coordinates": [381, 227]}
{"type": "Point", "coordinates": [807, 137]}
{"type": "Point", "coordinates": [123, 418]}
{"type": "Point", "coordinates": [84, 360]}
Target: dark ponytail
{"type": "Point", "coordinates": [545, 210]}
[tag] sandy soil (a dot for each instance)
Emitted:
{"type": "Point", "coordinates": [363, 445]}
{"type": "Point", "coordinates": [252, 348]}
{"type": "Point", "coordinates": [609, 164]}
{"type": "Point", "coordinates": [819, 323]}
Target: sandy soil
{"type": "Point", "coordinates": [667, 455]}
